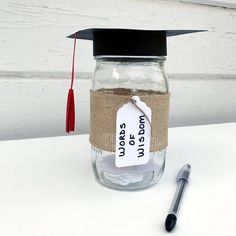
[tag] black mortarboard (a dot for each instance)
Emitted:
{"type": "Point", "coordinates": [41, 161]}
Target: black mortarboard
{"type": "Point", "coordinates": [129, 42]}
{"type": "Point", "coordinates": [119, 42]}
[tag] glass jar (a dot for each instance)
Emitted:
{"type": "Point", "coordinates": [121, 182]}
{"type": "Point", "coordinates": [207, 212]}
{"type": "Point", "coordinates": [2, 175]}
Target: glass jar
{"type": "Point", "coordinates": [134, 74]}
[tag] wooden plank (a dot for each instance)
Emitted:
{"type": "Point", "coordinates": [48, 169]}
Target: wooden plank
{"type": "Point", "coordinates": [33, 104]}
{"type": "Point", "coordinates": [231, 4]}
{"type": "Point", "coordinates": [33, 33]}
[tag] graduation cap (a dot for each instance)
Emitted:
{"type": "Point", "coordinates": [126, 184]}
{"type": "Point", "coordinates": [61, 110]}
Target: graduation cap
{"type": "Point", "coordinates": [129, 42]}
{"type": "Point", "coordinates": [120, 42]}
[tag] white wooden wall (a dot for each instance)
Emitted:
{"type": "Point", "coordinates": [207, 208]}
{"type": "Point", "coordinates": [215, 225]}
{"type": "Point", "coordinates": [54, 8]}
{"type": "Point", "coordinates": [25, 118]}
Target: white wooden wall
{"type": "Point", "coordinates": [35, 59]}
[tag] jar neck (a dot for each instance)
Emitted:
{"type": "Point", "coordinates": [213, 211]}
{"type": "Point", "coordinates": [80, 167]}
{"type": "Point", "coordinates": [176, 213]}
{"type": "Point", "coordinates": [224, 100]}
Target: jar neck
{"type": "Point", "coordinates": [135, 59]}
{"type": "Point", "coordinates": [157, 61]}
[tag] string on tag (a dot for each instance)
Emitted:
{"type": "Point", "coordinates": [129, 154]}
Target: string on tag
{"type": "Point", "coordinates": [70, 109]}
{"type": "Point", "coordinates": [134, 102]}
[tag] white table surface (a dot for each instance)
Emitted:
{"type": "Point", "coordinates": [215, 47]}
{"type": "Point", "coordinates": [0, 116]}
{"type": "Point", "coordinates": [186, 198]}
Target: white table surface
{"type": "Point", "coordinates": [47, 188]}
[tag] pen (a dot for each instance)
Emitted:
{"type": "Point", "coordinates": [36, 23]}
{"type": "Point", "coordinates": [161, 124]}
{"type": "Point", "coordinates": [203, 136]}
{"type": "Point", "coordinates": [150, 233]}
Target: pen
{"type": "Point", "coordinates": [182, 180]}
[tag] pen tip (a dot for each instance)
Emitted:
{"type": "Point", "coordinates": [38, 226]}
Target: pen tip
{"type": "Point", "coordinates": [184, 173]}
{"type": "Point", "coordinates": [170, 222]}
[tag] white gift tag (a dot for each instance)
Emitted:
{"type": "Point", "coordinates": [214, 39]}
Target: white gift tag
{"type": "Point", "coordinates": [133, 132]}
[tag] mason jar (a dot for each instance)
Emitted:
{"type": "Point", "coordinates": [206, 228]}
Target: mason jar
{"type": "Point", "coordinates": [129, 105]}
{"type": "Point", "coordinates": [132, 74]}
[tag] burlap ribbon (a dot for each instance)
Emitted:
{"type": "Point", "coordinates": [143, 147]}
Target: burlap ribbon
{"type": "Point", "coordinates": [104, 105]}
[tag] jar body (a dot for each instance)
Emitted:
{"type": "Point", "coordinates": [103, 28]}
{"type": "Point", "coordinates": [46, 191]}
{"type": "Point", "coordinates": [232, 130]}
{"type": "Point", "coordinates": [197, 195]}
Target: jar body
{"type": "Point", "coordinates": [134, 74]}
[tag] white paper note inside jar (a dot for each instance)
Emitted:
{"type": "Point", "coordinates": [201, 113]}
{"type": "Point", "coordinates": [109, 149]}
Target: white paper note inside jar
{"type": "Point", "coordinates": [133, 133]}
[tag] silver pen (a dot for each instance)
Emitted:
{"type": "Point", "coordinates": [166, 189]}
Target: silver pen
{"type": "Point", "coordinates": [182, 180]}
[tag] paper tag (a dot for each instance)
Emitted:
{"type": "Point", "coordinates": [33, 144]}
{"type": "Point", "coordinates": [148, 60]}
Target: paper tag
{"type": "Point", "coordinates": [133, 132]}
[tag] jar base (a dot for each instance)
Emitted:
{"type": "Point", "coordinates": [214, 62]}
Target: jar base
{"type": "Point", "coordinates": [130, 187]}
{"type": "Point", "coordinates": [127, 178]}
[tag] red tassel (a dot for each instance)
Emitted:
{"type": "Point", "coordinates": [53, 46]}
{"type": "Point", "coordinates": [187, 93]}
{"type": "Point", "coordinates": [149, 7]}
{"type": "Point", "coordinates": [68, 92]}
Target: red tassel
{"type": "Point", "coordinates": [70, 112]}
{"type": "Point", "coordinates": [70, 109]}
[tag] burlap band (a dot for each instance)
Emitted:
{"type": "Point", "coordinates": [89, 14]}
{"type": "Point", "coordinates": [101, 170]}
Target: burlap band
{"type": "Point", "coordinates": [103, 108]}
